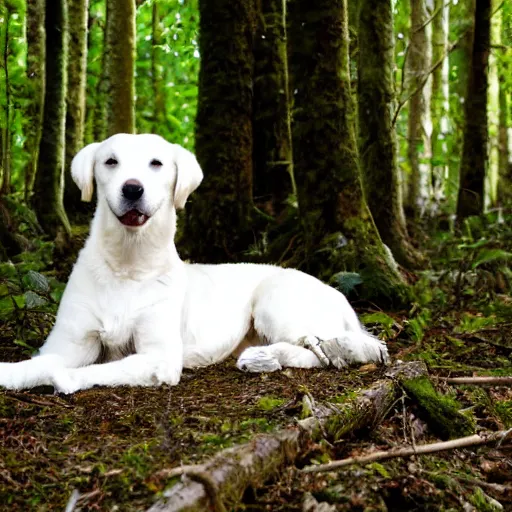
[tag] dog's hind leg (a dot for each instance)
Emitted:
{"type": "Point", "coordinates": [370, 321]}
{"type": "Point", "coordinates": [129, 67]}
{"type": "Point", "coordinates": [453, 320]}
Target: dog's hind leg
{"type": "Point", "coordinates": [274, 357]}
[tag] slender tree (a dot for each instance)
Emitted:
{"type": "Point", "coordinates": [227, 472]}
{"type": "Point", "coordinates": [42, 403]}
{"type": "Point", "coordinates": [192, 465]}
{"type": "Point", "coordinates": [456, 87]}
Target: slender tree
{"type": "Point", "coordinates": [120, 66]}
{"type": "Point", "coordinates": [36, 85]}
{"type": "Point", "coordinates": [377, 139]}
{"type": "Point", "coordinates": [48, 191]}
{"type": "Point", "coordinates": [419, 130]}
{"type": "Point", "coordinates": [473, 165]}
{"type": "Point", "coordinates": [273, 172]}
{"type": "Point", "coordinates": [338, 229]}
{"type": "Point", "coordinates": [440, 95]}
{"type": "Point", "coordinates": [460, 62]}
{"type": "Point", "coordinates": [75, 99]}
{"type": "Point", "coordinates": [157, 73]}
{"type": "Point", "coordinates": [219, 217]}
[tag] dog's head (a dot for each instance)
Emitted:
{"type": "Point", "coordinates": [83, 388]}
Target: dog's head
{"type": "Point", "coordinates": [137, 175]}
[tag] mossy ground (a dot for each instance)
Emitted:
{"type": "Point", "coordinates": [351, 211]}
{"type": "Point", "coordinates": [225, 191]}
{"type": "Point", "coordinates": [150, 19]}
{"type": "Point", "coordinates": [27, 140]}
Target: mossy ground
{"type": "Point", "coordinates": [116, 446]}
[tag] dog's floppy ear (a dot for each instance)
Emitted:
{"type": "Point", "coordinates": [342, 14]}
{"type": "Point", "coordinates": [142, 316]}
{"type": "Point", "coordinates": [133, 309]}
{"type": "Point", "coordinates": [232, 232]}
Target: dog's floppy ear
{"type": "Point", "coordinates": [82, 170]}
{"type": "Point", "coordinates": [188, 175]}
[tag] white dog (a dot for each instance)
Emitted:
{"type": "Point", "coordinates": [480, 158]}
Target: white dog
{"type": "Point", "coordinates": [131, 301]}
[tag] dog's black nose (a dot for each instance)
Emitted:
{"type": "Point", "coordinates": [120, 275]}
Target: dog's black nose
{"type": "Point", "coordinates": [133, 190]}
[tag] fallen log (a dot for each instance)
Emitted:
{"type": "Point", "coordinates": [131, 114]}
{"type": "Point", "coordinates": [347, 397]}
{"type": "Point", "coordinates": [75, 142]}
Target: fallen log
{"type": "Point", "coordinates": [220, 482]}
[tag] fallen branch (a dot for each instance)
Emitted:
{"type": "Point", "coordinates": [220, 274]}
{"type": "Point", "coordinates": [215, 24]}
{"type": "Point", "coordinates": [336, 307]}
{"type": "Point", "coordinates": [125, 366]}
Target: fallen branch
{"type": "Point", "coordinates": [219, 483]}
{"type": "Point", "coordinates": [463, 442]}
{"type": "Point", "coordinates": [480, 381]}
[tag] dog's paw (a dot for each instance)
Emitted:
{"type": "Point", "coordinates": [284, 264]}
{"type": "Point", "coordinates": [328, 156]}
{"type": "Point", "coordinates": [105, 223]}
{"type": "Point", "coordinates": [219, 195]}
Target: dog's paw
{"type": "Point", "coordinates": [355, 348]}
{"type": "Point", "coordinates": [258, 359]}
{"type": "Point", "coordinates": [64, 381]}
{"type": "Point", "coordinates": [8, 377]}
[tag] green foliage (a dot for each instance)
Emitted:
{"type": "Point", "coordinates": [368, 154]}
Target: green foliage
{"type": "Point", "coordinates": [346, 282]}
{"type": "Point", "coordinates": [177, 65]}
{"type": "Point", "coordinates": [267, 403]}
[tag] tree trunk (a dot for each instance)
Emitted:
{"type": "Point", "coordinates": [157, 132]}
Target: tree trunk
{"type": "Point", "coordinates": [48, 191]}
{"type": "Point", "coordinates": [473, 165]}
{"type": "Point", "coordinates": [419, 131]}
{"type": "Point", "coordinates": [120, 66]}
{"type": "Point", "coordinates": [75, 101]}
{"type": "Point", "coordinates": [459, 60]}
{"type": "Point", "coordinates": [6, 86]}
{"type": "Point", "coordinates": [219, 216]}
{"type": "Point", "coordinates": [493, 108]}
{"type": "Point", "coordinates": [504, 163]}
{"type": "Point", "coordinates": [36, 84]}
{"type": "Point", "coordinates": [440, 97]}
{"type": "Point", "coordinates": [338, 229]}
{"type": "Point", "coordinates": [377, 138]}
{"type": "Point", "coordinates": [273, 171]}
{"type": "Point", "coordinates": [157, 75]}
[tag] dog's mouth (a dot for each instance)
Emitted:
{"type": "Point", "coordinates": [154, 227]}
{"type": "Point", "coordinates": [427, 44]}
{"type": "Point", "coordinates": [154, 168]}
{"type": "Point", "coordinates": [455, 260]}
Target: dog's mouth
{"type": "Point", "coordinates": [133, 218]}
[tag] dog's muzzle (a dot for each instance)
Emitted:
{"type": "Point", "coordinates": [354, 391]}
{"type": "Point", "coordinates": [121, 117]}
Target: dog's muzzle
{"type": "Point", "coordinates": [132, 191]}
{"type": "Point", "coordinates": [133, 218]}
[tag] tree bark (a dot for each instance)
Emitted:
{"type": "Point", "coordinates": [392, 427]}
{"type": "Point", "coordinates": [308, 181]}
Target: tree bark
{"type": "Point", "coordinates": [75, 100]}
{"type": "Point", "coordinates": [272, 152]}
{"type": "Point", "coordinates": [120, 66]}
{"type": "Point", "coordinates": [473, 165]}
{"type": "Point", "coordinates": [377, 138]}
{"type": "Point", "coordinates": [219, 218]}
{"type": "Point", "coordinates": [338, 229]}
{"type": "Point", "coordinates": [419, 130]}
{"type": "Point", "coordinates": [36, 84]}
{"type": "Point", "coordinates": [48, 191]}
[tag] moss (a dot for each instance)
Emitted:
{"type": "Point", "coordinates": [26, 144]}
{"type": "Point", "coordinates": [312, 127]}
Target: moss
{"type": "Point", "coordinates": [267, 403]}
{"type": "Point", "coordinates": [441, 412]}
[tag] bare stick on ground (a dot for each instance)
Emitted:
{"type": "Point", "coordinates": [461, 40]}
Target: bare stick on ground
{"type": "Point", "coordinates": [463, 442]}
{"type": "Point", "coordinates": [481, 381]}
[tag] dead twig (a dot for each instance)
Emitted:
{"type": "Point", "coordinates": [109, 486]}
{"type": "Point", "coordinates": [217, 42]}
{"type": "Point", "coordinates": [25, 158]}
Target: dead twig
{"type": "Point", "coordinates": [463, 442]}
{"type": "Point", "coordinates": [480, 381]}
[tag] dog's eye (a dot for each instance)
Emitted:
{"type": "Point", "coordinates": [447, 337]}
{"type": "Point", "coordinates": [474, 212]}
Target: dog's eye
{"type": "Point", "coordinates": [111, 162]}
{"type": "Point", "coordinates": [156, 163]}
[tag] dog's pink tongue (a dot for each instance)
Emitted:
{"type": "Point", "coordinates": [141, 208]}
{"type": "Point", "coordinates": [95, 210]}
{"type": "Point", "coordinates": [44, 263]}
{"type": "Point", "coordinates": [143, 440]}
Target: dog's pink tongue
{"type": "Point", "coordinates": [133, 218]}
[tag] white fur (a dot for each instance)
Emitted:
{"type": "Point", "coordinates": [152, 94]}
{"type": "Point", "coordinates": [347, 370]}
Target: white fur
{"type": "Point", "coordinates": [130, 284]}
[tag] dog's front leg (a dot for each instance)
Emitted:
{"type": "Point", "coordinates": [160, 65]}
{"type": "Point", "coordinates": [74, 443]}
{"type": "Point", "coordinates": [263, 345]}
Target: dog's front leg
{"type": "Point", "coordinates": [158, 360]}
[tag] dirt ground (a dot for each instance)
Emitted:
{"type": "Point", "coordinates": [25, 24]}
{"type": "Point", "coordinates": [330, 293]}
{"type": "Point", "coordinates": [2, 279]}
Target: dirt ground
{"type": "Point", "coordinates": [115, 446]}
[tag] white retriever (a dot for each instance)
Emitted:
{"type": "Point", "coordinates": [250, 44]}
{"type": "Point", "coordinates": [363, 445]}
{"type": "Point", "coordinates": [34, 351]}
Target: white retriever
{"type": "Point", "coordinates": [131, 301]}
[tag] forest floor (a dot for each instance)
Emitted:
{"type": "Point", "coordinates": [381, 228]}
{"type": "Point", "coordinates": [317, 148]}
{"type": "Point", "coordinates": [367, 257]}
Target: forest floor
{"type": "Point", "coordinates": [116, 446]}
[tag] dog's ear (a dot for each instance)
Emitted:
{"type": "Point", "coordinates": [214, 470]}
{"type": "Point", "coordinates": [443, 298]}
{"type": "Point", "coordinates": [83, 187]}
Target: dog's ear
{"type": "Point", "coordinates": [188, 175]}
{"type": "Point", "coordinates": [82, 170]}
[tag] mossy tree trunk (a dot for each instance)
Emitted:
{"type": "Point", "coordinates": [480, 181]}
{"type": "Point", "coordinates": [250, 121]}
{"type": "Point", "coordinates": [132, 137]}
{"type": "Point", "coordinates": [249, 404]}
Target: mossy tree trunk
{"type": "Point", "coordinates": [120, 66]}
{"type": "Point", "coordinates": [36, 84]}
{"type": "Point", "coordinates": [219, 215]}
{"type": "Point", "coordinates": [338, 229]}
{"type": "Point", "coordinates": [6, 11]}
{"type": "Point", "coordinates": [459, 59]}
{"type": "Point", "coordinates": [75, 100]}
{"type": "Point", "coordinates": [419, 129]}
{"type": "Point", "coordinates": [473, 164]}
{"type": "Point", "coordinates": [377, 138]}
{"type": "Point", "coordinates": [49, 186]}
{"type": "Point", "coordinates": [273, 171]}
{"type": "Point", "coordinates": [440, 96]}
{"type": "Point", "coordinates": [99, 129]}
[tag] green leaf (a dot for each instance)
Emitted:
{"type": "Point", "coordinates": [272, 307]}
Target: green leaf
{"type": "Point", "coordinates": [490, 255]}
{"type": "Point", "coordinates": [345, 282]}
{"type": "Point", "coordinates": [378, 318]}
{"type": "Point", "coordinates": [36, 281]}
{"type": "Point", "coordinates": [33, 300]}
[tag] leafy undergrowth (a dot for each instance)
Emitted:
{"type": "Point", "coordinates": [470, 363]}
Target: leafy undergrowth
{"type": "Point", "coordinates": [116, 447]}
